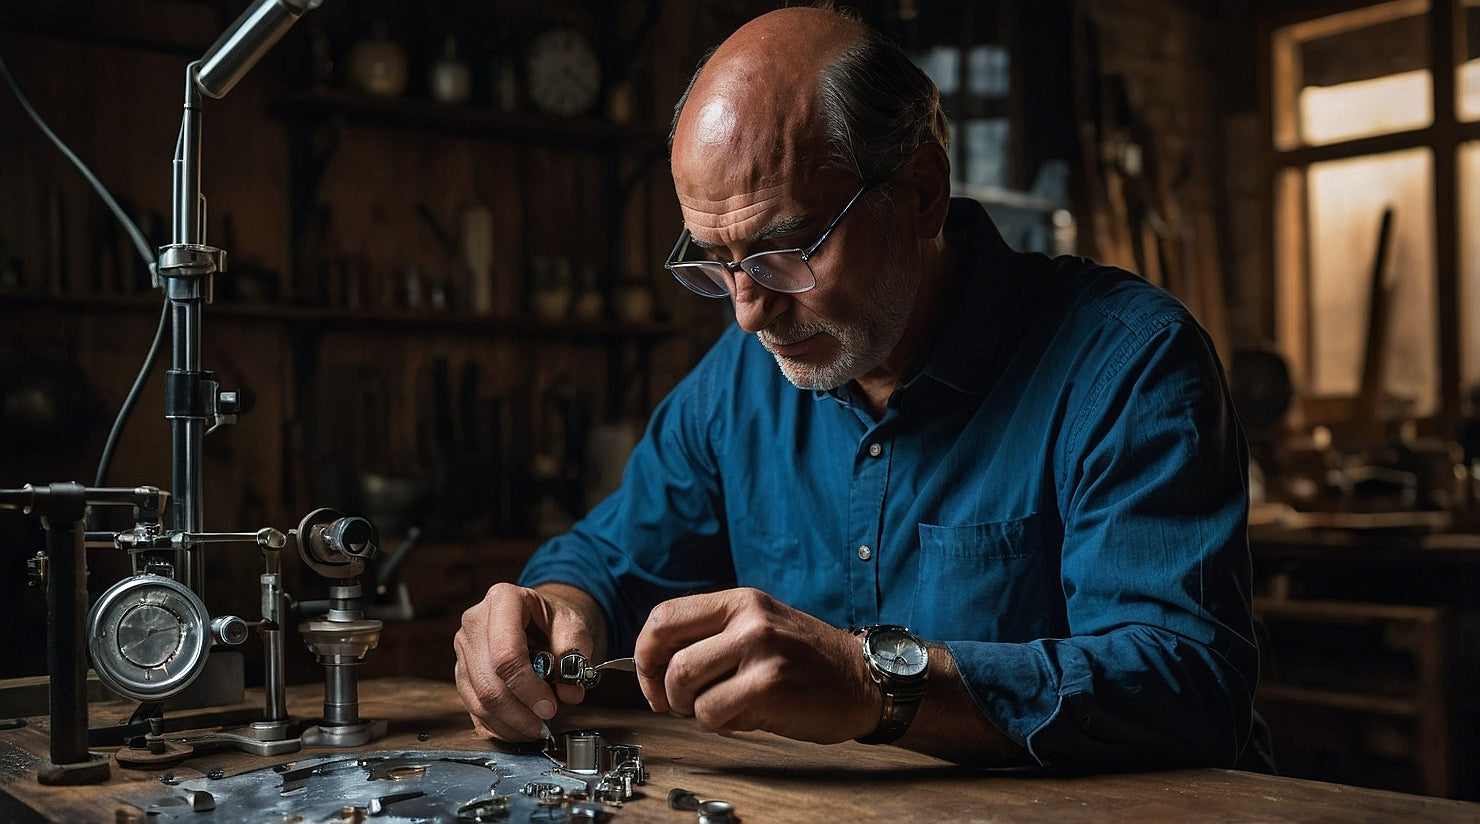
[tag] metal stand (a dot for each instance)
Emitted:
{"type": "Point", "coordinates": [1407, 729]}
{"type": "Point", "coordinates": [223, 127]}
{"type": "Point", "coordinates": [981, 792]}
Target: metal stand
{"type": "Point", "coordinates": [62, 508]}
{"type": "Point", "coordinates": [150, 635]}
{"type": "Point", "coordinates": [337, 547]}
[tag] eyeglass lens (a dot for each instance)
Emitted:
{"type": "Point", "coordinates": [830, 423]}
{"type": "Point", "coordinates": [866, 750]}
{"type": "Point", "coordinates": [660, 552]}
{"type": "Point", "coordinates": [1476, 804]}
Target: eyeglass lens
{"type": "Point", "coordinates": [778, 270]}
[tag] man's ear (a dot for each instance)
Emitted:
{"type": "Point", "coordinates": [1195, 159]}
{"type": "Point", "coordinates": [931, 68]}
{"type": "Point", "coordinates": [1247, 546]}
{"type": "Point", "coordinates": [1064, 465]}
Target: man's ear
{"type": "Point", "coordinates": [929, 176]}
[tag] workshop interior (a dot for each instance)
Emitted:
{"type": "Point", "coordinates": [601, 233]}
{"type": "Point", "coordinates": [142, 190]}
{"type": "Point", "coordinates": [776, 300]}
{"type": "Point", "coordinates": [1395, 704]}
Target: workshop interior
{"type": "Point", "coordinates": [320, 315]}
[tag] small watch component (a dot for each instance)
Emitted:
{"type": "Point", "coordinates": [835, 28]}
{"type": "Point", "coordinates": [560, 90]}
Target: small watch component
{"type": "Point", "coordinates": [545, 792]}
{"type": "Point", "coordinates": [543, 664]}
{"type": "Point", "coordinates": [898, 661]}
{"type": "Point", "coordinates": [712, 811]}
{"type": "Point", "coordinates": [571, 668]}
{"type": "Point", "coordinates": [483, 810]}
{"type": "Point", "coordinates": [583, 752]}
{"type": "Point", "coordinates": [717, 812]}
{"type": "Point", "coordinates": [681, 799]}
{"type": "Point", "coordinates": [574, 668]}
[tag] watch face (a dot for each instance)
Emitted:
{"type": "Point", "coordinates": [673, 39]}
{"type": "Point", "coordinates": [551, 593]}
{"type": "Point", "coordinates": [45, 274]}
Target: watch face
{"type": "Point", "coordinates": [564, 74]}
{"type": "Point", "coordinates": [897, 652]}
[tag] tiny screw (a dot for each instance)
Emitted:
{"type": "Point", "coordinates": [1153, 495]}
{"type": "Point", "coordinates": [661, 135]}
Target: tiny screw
{"type": "Point", "coordinates": [423, 736]}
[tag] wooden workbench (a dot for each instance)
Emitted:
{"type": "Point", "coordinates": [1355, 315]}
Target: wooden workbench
{"type": "Point", "coordinates": [767, 779]}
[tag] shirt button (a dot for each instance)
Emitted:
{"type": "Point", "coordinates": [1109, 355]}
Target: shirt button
{"type": "Point", "coordinates": [875, 450]}
{"type": "Point", "coordinates": [864, 553]}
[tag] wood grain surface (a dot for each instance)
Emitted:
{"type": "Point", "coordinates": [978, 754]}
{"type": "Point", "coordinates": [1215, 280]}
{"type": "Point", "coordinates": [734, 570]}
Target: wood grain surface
{"type": "Point", "coordinates": [766, 778]}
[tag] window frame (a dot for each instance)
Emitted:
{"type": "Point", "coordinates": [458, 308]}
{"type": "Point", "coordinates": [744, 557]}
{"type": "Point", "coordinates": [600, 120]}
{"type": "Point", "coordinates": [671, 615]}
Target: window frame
{"type": "Point", "coordinates": [1289, 239]}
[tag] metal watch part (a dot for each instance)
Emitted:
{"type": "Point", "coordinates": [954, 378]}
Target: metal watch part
{"type": "Point", "coordinates": [574, 668]}
{"type": "Point", "coordinates": [148, 637]}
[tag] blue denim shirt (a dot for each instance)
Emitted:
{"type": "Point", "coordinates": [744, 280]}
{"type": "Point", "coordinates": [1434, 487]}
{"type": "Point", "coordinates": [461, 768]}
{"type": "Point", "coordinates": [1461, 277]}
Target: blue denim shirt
{"type": "Point", "coordinates": [1059, 497]}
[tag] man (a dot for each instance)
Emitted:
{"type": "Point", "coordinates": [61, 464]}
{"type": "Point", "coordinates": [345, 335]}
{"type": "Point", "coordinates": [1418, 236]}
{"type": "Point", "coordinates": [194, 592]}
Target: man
{"type": "Point", "coordinates": [1031, 463]}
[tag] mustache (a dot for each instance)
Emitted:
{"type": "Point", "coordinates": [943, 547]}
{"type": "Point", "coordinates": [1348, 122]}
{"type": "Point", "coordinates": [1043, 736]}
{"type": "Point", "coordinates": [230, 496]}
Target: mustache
{"type": "Point", "coordinates": [786, 335]}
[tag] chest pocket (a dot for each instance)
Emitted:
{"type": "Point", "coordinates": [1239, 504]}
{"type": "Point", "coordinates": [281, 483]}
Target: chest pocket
{"type": "Point", "coordinates": [994, 581]}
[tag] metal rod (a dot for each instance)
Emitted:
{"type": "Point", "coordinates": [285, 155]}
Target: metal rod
{"type": "Point", "coordinates": [187, 431]}
{"type": "Point", "coordinates": [274, 674]}
{"type": "Point", "coordinates": [62, 508]}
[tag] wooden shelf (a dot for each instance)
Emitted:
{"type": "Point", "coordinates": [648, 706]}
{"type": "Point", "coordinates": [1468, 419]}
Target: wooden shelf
{"type": "Point", "coordinates": [402, 319]}
{"type": "Point", "coordinates": [1374, 661]}
{"type": "Point", "coordinates": [1332, 699]}
{"type": "Point", "coordinates": [412, 114]}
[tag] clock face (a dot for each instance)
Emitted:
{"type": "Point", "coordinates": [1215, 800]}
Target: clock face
{"type": "Point", "coordinates": [148, 637]}
{"type": "Point", "coordinates": [897, 653]}
{"type": "Point", "coordinates": [564, 74]}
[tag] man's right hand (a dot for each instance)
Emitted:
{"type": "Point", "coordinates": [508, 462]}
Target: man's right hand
{"type": "Point", "coordinates": [495, 680]}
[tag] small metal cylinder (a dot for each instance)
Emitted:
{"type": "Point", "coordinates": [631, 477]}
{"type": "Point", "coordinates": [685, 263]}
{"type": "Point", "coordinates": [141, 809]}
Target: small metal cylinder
{"type": "Point", "coordinates": [583, 752]}
{"type": "Point", "coordinates": [341, 696]}
{"type": "Point", "coordinates": [716, 812]}
{"type": "Point", "coordinates": [229, 629]}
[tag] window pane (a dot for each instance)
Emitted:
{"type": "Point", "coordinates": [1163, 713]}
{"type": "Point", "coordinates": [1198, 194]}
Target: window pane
{"type": "Point", "coordinates": [1346, 202]}
{"type": "Point", "coordinates": [1469, 287]}
{"type": "Point", "coordinates": [1382, 105]}
{"type": "Point", "coordinates": [1351, 75]}
{"type": "Point", "coordinates": [1467, 85]}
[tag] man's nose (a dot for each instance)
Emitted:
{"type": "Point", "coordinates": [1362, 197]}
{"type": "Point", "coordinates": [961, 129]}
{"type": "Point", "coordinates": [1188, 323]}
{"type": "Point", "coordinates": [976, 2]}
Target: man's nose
{"type": "Point", "coordinates": [755, 305]}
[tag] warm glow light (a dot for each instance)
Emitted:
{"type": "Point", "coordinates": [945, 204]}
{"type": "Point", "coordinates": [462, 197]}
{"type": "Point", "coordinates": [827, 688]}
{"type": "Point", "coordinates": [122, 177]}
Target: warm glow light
{"type": "Point", "coordinates": [1347, 198]}
{"type": "Point", "coordinates": [1382, 105]}
{"type": "Point", "coordinates": [1468, 90]}
{"type": "Point", "coordinates": [1469, 286]}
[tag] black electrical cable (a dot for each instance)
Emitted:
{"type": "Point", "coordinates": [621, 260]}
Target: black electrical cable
{"type": "Point", "coordinates": [133, 396]}
{"type": "Point", "coordinates": [140, 243]}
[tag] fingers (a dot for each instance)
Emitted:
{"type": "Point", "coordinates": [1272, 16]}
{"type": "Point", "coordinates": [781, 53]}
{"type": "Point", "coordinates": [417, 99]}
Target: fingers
{"type": "Point", "coordinates": [697, 669]}
{"type": "Point", "coordinates": [673, 626]}
{"type": "Point", "coordinates": [690, 643]}
{"type": "Point", "coordinates": [740, 660]}
{"type": "Point", "coordinates": [494, 677]}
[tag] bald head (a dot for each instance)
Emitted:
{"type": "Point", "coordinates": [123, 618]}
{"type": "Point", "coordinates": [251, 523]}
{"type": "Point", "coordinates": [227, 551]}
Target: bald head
{"type": "Point", "coordinates": [804, 90]}
{"type": "Point", "coordinates": [754, 106]}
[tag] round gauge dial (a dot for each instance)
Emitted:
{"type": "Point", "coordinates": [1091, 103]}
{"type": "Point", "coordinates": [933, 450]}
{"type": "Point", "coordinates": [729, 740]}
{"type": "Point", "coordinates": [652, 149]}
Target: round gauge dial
{"type": "Point", "coordinates": [148, 637]}
{"type": "Point", "coordinates": [564, 74]}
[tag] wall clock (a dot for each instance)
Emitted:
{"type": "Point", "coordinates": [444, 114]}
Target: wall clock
{"type": "Point", "coordinates": [563, 73]}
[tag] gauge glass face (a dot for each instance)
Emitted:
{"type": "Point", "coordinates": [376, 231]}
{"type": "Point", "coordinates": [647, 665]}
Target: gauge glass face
{"type": "Point", "coordinates": [148, 637]}
{"type": "Point", "coordinates": [897, 653]}
{"type": "Point", "coordinates": [150, 632]}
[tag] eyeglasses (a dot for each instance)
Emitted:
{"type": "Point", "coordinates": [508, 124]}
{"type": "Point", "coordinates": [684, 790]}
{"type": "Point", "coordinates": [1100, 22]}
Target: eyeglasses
{"type": "Point", "coordinates": [780, 270]}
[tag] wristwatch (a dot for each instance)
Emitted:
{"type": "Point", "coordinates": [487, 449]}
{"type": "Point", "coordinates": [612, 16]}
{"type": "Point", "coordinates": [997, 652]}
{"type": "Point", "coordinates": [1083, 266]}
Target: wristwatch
{"type": "Point", "coordinates": [898, 662]}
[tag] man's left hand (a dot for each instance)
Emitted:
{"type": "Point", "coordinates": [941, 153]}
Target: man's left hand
{"type": "Point", "coordinates": [741, 660]}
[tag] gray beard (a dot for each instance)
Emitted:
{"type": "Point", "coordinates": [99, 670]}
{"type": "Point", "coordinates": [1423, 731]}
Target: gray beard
{"type": "Point", "coordinates": [863, 344]}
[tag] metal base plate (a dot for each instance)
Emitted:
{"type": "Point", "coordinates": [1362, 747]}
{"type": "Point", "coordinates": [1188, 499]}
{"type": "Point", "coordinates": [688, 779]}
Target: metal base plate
{"type": "Point", "coordinates": [404, 786]}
